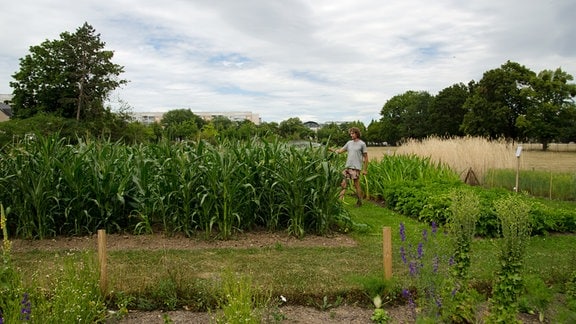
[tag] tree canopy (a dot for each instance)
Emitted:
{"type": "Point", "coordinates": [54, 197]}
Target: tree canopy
{"type": "Point", "coordinates": [70, 77]}
{"type": "Point", "coordinates": [509, 102]}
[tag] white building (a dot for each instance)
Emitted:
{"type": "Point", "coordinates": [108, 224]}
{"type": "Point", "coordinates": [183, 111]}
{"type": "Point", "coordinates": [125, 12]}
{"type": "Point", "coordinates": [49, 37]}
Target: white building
{"type": "Point", "coordinates": [148, 118]}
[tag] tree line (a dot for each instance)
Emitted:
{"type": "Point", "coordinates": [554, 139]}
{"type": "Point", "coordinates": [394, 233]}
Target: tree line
{"type": "Point", "coordinates": [63, 86]}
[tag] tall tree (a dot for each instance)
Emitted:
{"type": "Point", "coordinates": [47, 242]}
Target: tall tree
{"type": "Point", "coordinates": [376, 133]}
{"type": "Point", "coordinates": [405, 116]}
{"type": "Point", "coordinates": [71, 77]}
{"type": "Point", "coordinates": [447, 111]}
{"type": "Point", "coordinates": [552, 111]}
{"type": "Point", "coordinates": [294, 129]}
{"type": "Point", "coordinates": [181, 124]}
{"type": "Point", "coordinates": [497, 100]}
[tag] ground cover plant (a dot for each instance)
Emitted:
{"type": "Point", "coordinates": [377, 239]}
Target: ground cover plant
{"type": "Point", "coordinates": [421, 198]}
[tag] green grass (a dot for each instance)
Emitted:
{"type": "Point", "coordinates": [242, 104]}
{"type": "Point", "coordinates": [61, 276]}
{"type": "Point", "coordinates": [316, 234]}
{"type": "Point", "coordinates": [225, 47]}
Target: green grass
{"type": "Point", "coordinates": [553, 185]}
{"type": "Point", "coordinates": [304, 275]}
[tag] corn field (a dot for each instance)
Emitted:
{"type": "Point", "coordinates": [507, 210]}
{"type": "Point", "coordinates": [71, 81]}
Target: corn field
{"type": "Point", "coordinates": [52, 188]}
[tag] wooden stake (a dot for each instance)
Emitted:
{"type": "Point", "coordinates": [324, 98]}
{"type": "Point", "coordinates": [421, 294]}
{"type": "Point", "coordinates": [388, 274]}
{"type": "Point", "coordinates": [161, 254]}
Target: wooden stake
{"type": "Point", "coordinates": [387, 249]}
{"type": "Point", "coordinates": [102, 261]}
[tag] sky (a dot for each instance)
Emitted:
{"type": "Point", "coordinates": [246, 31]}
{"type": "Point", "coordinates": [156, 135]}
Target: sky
{"type": "Point", "coordinates": [318, 60]}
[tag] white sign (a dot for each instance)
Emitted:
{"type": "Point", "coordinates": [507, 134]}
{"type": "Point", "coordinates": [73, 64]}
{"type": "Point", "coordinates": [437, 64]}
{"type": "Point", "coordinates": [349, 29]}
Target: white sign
{"type": "Point", "coordinates": [518, 151]}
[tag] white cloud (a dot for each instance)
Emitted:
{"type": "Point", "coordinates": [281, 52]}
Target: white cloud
{"type": "Point", "coordinates": [320, 60]}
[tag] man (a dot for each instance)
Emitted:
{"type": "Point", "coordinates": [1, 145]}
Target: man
{"type": "Point", "coordinates": [356, 162]}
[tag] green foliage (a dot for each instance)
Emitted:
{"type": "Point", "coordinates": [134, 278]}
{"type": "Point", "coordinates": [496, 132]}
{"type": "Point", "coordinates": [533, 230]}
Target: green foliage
{"type": "Point", "coordinates": [514, 216]}
{"type": "Point", "coordinates": [238, 304]}
{"type": "Point", "coordinates": [447, 112]}
{"type": "Point", "coordinates": [571, 292]}
{"type": "Point", "coordinates": [181, 124]}
{"type": "Point", "coordinates": [404, 182]}
{"type": "Point", "coordinates": [55, 188]}
{"type": "Point", "coordinates": [464, 212]}
{"type": "Point", "coordinates": [11, 292]}
{"type": "Point", "coordinates": [70, 77]}
{"type": "Point", "coordinates": [294, 129]}
{"type": "Point", "coordinates": [406, 115]}
{"type": "Point", "coordinates": [552, 110]}
{"type": "Point", "coordinates": [426, 263]}
{"type": "Point", "coordinates": [74, 293]}
{"type": "Point", "coordinates": [548, 219]}
{"type": "Point", "coordinates": [536, 297]}
{"type": "Point", "coordinates": [379, 315]}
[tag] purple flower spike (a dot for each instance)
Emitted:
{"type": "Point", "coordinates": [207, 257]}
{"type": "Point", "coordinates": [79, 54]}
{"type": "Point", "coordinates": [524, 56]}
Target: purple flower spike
{"type": "Point", "coordinates": [434, 228]}
{"type": "Point", "coordinates": [413, 268]}
{"type": "Point", "coordinates": [420, 250]}
{"type": "Point", "coordinates": [402, 232]}
{"type": "Point", "coordinates": [435, 264]}
{"type": "Point", "coordinates": [26, 308]}
{"type": "Point", "coordinates": [403, 254]}
{"type": "Point", "coordinates": [406, 293]}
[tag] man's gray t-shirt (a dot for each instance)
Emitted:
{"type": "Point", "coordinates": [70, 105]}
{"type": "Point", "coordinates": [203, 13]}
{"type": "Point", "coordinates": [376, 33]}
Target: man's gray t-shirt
{"type": "Point", "coordinates": [355, 151]}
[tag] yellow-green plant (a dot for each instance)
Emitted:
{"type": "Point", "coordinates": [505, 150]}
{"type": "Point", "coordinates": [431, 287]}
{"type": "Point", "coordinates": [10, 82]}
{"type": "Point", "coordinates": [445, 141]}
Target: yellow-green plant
{"type": "Point", "coordinates": [74, 294]}
{"type": "Point", "coordinates": [460, 305]}
{"type": "Point", "coordinates": [379, 315]}
{"type": "Point", "coordinates": [515, 224]}
{"type": "Point", "coordinates": [14, 305]}
{"type": "Point", "coordinates": [238, 303]}
{"type": "Point", "coordinates": [464, 213]}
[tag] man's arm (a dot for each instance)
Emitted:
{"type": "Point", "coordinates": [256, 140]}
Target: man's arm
{"type": "Point", "coordinates": [365, 160]}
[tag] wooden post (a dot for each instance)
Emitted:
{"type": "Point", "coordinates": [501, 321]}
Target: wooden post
{"type": "Point", "coordinates": [387, 249]}
{"type": "Point", "coordinates": [102, 261]}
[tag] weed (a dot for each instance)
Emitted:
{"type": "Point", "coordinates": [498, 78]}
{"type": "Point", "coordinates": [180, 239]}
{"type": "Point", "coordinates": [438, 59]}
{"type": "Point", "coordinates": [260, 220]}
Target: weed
{"type": "Point", "coordinates": [536, 297]}
{"type": "Point", "coordinates": [379, 315]}
{"type": "Point", "coordinates": [237, 304]}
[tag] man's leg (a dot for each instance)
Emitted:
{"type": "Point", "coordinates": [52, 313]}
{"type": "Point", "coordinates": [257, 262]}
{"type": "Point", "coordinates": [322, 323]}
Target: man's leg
{"type": "Point", "coordinates": [343, 185]}
{"type": "Point", "coordinates": [358, 192]}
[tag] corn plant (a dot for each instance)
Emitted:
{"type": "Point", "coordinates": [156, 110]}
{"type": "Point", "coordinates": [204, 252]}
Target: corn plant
{"type": "Point", "coordinates": [54, 188]}
{"type": "Point", "coordinates": [29, 185]}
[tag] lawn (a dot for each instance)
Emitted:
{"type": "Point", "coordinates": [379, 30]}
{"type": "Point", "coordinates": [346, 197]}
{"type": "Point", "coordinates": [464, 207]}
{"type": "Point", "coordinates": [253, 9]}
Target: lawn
{"type": "Point", "coordinates": [172, 278]}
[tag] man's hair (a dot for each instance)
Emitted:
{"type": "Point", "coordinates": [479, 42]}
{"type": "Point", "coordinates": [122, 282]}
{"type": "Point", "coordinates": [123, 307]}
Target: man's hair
{"type": "Point", "coordinates": [355, 130]}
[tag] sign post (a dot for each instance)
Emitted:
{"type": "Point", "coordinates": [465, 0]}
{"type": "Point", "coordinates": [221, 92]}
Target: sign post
{"type": "Point", "coordinates": [518, 152]}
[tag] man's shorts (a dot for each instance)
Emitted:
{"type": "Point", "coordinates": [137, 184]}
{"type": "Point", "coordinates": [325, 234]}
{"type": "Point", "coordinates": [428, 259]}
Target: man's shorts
{"type": "Point", "coordinates": [351, 174]}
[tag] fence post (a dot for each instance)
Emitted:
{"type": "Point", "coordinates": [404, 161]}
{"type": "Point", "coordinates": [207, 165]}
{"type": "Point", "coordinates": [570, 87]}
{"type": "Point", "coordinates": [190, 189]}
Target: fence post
{"type": "Point", "coordinates": [102, 261]}
{"type": "Point", "coordinates": [387, 249]}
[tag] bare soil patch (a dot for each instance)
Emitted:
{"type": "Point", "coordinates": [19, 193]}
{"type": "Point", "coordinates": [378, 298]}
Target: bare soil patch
{"type": "Point", "coordinates": [115, 242]}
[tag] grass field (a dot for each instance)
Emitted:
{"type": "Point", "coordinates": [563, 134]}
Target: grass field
{"type": "Point", "coordinates": [319, 276]}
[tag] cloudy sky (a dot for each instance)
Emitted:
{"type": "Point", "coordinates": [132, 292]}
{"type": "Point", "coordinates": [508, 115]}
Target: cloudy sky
{"type": "Point", "coordinates": [321, 60]}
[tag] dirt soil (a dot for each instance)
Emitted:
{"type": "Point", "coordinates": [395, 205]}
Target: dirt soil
{"type": "Point", "coordinates": [284, 314]}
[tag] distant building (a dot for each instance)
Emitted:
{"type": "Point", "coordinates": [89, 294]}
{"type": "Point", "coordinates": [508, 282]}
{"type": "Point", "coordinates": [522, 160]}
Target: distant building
{"type": "Point", "coordinates": [5, 109]}
{"type": "Point", "coordinates": [5, 112]}
{"type": "Point", "coordinates": [232, 115]}
{"type": "Point", "coordinates": [148, 118]}
{"type": "Point", "coordinates": [312, 125]}
{"type": "Point", "coordinates": [5, 98]}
